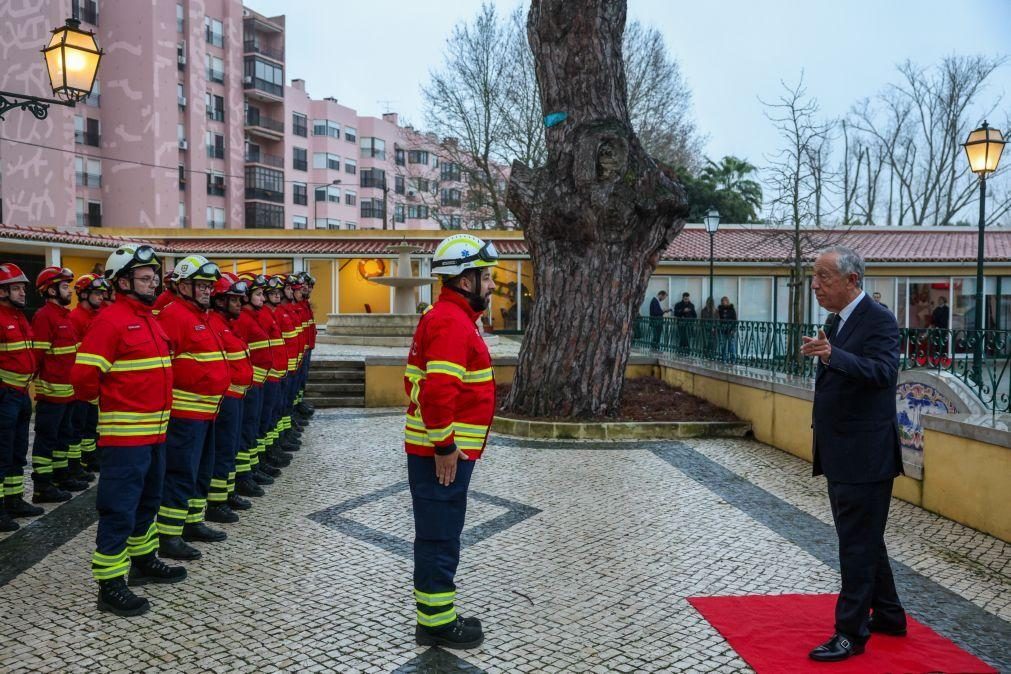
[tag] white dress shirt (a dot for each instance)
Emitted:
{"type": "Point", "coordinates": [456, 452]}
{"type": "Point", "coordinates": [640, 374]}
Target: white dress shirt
{"type": "Point", "coordinates": [845, 313]}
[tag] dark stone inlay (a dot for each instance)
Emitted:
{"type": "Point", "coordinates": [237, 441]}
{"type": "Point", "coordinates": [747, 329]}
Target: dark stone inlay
{"type": "Point", "coordinates": [437, 661]}
{"type": "Point", "coordinates": [357, 413]}
{"type": "Point", "coordinates": [36, 539]}
{"type": "Point", "coordinates": [334, 518]}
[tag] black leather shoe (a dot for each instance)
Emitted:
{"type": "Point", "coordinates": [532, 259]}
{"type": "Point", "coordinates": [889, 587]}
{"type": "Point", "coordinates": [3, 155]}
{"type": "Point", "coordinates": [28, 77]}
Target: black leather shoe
{"type": "Point", "coordinates": [17, 507]}
{"type": "Point", "coordinates": [888, 629]}
{"type": "Point", "coordinates": [236, 502]}
{"type": "Point", "coordinates": [279, 458]}
{"type": "Point", "coordinates": [260, 478]}
{"type": "Point", "coordinates": [50, 493]}
{"type": "Point", "coordinates": [246, 487]}
{"type": "Point", "coordinates": [202, 533]}
{"type": "Point", "coordinates": [221, 513]}
{"type": "Point", "coordinates": [173, 547]}
{"type": "Point", "coordinates": [8, 523]}
{"type": "Point", "coordinates": [268, 470]}
{"type": "Point", "coordinates": [115, 597]}
{"type": "Point", "coordinates": [77, 472]}
{"type": "Point", "coordinates": [457, 634]}
{"type": "Point", "coordinates": [71, 484]}
{"type": "Point", "coordinates": [835, 649]}
{"type": "Point", "coordinates": [150, 569]}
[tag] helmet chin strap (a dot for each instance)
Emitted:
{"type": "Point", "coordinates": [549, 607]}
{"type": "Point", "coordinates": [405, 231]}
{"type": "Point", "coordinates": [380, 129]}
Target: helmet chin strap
{"type": "Point", "coordinates": [476, 302]}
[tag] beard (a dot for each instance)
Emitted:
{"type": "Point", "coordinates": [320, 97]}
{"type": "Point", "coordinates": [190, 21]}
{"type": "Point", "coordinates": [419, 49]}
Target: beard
{"type": "Point", "coordinates": [63, 301]}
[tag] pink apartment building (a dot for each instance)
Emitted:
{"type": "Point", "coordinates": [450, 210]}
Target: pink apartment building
{"type": "Point", "coordinates": [191, 125]}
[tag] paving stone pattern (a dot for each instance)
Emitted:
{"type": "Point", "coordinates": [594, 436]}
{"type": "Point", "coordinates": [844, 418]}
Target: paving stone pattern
{"type": "Point", "coordinates": [578, 558]}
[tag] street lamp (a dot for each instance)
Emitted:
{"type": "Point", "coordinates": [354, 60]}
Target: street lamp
{"type": "Point", "coordinates": [315, 200]}
{"type": "Point", "coordinates": [72, 58]}
{"type": "Point", "coordinates": [712, 222]}
{"type": "Point", "coordinates": [983, 148]}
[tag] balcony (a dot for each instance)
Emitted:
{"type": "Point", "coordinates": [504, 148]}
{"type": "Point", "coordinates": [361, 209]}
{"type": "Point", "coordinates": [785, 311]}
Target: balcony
{"type": "Point", "coordinates": [372, 210]}
{"type": "Point", "coordinates": [258, 157]}
{"type": "Point", "coordinates": [262, 89]}
{"type": "Point", "coordinates": [257, 47]}
{"type": "Point", "coordinates": [216, 189]}
{"type": "Point", "coordinates": [262, 125]}
{"type": "Point", "coordinates": [369, 178]}
{"type": "Point", "coordinates": [261, 194]}
{"type": "Point", "coordinates": [264, 216]}
{"type": "Point", "coordinates": [91, 138]}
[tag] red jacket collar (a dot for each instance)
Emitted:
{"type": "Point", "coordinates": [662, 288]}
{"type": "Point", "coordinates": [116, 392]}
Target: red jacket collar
{"type": "Point", "coordinates": [453, 297]}
{"type": "Point", "coordinates": [11, 311]}
{"type": "Point", "coordinates": [134, 305]}
{"type": "Point", "coordinates": [54, 306]}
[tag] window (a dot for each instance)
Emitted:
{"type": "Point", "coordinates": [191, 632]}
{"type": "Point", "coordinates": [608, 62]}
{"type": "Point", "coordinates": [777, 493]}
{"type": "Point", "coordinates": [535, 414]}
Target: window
{"type": "Point", "coordinates": [422, 185]}
{"type": "Point", "coordinates": [181, 94]}
{"type": "Point", "coordinates": [398, 213]}
{"type": "Point", "coordinates": [85, 11]}
{"type": "Point", "coordinates": [88, 172]}
{"type": "Point", "coordinates": [299, 222]}
{"type": "Point", "coordinates": [325, 127]}
{"type": "Point", "coordinates": [180, 20]}
{"type": "Point", "coordinates": [372, 208]}
{"type": "Point", "coordinates": [350, 225]}
{"type": "Point", "coordinates": [264, 76]}
{"type": "Point", "coordinates": [182, 214]}
{"type": "Point", "coordinates": [330, 193]}
{"type": "Point", "coordinates": [216, 183]}
{"type": "Point", "coordinates": [398, 156]}
{"type": "Point", "coordinates": [326, 160]}
{"type": "Point", "coordinates": [450, 171]}
{"type": "Point", "coordinates": [214, 31]}
{"type": "Point", "coordinates": [95, 95]}
{"type": "Point", "coordinates": [350, 133]}
{"type": "Point", "coordinates": [215, 68]}
{"type": "Point", "coordinates": [215, 145]}
{"type": "Point", "coordinates": [182, 177]}
{"type": "Point", "coordinates": [398, 184]}
{"type": "Point", "coordinates": [450, 197]}
{"type": "Point", "coordinates": [298, 124]}
{"type": "Point", "coordinates": [181, 55]}
{"type": "Point", "coordinates": [264, 216]}
{"type": "Point", "coordinates": [299, 194]}
{"type": "Point", "coordinates": [373, 147]}
{"type": "Point", "coordinates": [350, 197]}
{"type": "Point", "coordinates": [181, 135]}
{"type": "Point", "coordinates": [350, 166]}
{"type": "Point", "coordinates": [373, 177]}
{"type": "Point", "coordinates": [299, 158]}
{"type": "Point", "coordinates": [417, 157]}
{"type": "Point", "coordinates": [215, 217]}
{"type": "Point", "coordinates": [455, 222]}
{"type": "Point", "coordinates": [417, 212]}
{"type": "Point", "coordinates": [215, 107]}
{"type": "Point", "coordinates": [327, 223]}
{"type": "Point", "coordinates": [264, 183]}
{"type": "Point", "coordinates": [86, 131]}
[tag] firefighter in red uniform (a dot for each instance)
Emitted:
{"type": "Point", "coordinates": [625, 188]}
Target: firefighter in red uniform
{"type": "Point", "coordinates": [18, 365]}
{"type": "Point", "coordinates": [92, 292]}
{"type": "Point", "coordinates": [167, 295]}
{"type": "Point", "coordinates": [248, 468]}
{"type": "Point", "coordinates": [451, 388]}
{"type": "Point", "coordinates": [199, 380]}
{"type": "Point", "coordinates": [303, 408]}
{"type": "Point", "coordinates": [123, 361]}
{"type": "Point", "coordinates": [56, 342]}
{"type": "Point", "coordinates": [279, 443]}
{"type": "Point", "coordinates": [290, 430]}
{"type": "Point", "coordinates": [226, 302]}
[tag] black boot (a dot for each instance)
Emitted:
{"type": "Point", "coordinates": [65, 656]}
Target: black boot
{"type": "Point", "coordinates": [17, 507]}
{"type": "Point", "coordinates": [221, 513]}
{"type": "Point", "coordinates": [247, 487]}
{"type": "Point", "coordinates": [278, 458]}
{"type": "Point", "coordinates": [47, 492]}
{"type": "Point", "coordinates": [236, 502]}
{"type": "Point", "coordinates": [7, 523]}
{"type": "Point", "coordinates": [457, 634]}
{"type": "Point", "coordinates": [173, 547]}
{"type": "Point", "coordinates": [115, 597]}
{"type": "Point", "coordinates": [63, 480]}
{"type": "Point", "coordinates": [305, 409]}
{"type": "Point", "coordinates": [198, 531]}
{"type": "Point", "coordinates": [76, 472]}
{"type": "Point", "coordinates": [150, 569]}
{"type": "Point", "coordinates": [260, 478]}
{"type": "Point", "coordinates": [267, 469]}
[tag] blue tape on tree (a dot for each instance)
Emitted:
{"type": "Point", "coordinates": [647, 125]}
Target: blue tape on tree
{"type": "Point", "coordinates": [555, 118]}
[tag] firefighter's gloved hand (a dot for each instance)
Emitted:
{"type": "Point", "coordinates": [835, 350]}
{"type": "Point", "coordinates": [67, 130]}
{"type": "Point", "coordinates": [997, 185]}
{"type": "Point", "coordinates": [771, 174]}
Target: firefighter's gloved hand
{"type": "Point", "coordinates": [445, 463]}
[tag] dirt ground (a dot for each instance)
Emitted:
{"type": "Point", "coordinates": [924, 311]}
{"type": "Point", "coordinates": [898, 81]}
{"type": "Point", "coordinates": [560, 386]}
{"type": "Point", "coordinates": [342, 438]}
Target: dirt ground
{"type": "Point", "coordinates": [647, 399]}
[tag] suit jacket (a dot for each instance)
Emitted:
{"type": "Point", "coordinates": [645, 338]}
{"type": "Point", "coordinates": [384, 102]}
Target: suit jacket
{"type": "Point", "coordinates": [655, 308]}
{"type": "Point", "coordinates": [856, 435]}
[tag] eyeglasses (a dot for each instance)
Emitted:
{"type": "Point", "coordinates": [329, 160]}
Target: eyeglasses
{"type": "Point", "coordinates": [487, 253]}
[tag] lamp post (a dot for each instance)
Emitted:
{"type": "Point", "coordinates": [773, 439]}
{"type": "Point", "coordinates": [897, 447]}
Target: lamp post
{"type": "Point", "coordinates": [712, 222]}
{"type": "Point", "coordinates": [315, 201]}
{"type": "Point", "coordinates": [72, 58]}
{"type": "Point", "coordinates": [983, 148]}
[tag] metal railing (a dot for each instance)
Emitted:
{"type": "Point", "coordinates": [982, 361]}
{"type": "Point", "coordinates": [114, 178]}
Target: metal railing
{"type": "Point", "coordinates": [258, 157]}
{"type": "Point", "coordinates": [254, 118]}
{"type": "Point", "coordinates": [256, 47]}
{"type": "Point", "coordinates": [769, 346]}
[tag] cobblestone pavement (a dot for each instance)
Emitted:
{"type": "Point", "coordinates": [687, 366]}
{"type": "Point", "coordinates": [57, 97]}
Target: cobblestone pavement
{"type": "Point", "coordinates": [578, 557]}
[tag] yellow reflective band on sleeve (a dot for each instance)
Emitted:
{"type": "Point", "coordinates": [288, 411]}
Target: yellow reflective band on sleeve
{"type": "Point", "coordinates": [84, 358]}
{"type": "Point", "coordinates": [474, 430]}
{"type": "Point", "coordinates": [63, 350]}
{"type": "Point", "coordinates": [414, 372]}
{"type": "Point", "coordinates": [37, 344]}
{"type": "Point", "coordinates": [276, 342]}
{"type": "Point", "coordinates": [237, 388]}
{"type": "Point", "coordinates": [475, 376]}
{"type": "Point", "coordinates": [435, 599]}
{"type": "Point", "coordinates": [291, 334]}
{"type": "Point", "coordinates": [259, 374]}
{"type": "Point", "coordinates": [236, 355]}
{"type": "Point", "coordinates": [445, 367]}
{"type": "Point", "coordinates": [15, 378]}
{"type": "Point", "coordinates": [20, 346]}
{"type": "Point", "coordinates": [138, 364]}
{"type": "Point", "coordinates": [52, 390]}
{"type": "Point", "coordinates": [262, 344]}
{"type": "Point", "coordinates": [184, 401]}
{"type": "Point", "coordinates": [210, 357]}
{"type": "Point", "coordinates": [417, 438]}
{"type": "Point", "coordinates": [440, 434]}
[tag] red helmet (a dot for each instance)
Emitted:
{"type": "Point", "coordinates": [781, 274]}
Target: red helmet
{"type": "Point", "coordinates": [11, 273]}
{"type": "Point", "coordinates": [51, 276]}
{"type": "Point", "coordinates": [229, 284]}
{"type": "Point", "coordinates": [293, 281]}
{"type": "Point", "coordinates": [88, 282]}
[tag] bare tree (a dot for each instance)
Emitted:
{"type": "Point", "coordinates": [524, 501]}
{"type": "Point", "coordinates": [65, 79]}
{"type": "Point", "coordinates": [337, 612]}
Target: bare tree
{"type": "Point", "coordinates": [597, 215]}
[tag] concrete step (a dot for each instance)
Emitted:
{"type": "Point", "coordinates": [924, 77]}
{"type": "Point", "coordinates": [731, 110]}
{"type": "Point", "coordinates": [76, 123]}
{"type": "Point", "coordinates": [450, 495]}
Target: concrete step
{"type": "Point", "coordinates": [337, 401]}
{"type": "Point", "coordinates": [342, 374]}
{"type": "Point", "coordinates": [318, 364]}
{"type": "Point", "coordinates": [334, 388]}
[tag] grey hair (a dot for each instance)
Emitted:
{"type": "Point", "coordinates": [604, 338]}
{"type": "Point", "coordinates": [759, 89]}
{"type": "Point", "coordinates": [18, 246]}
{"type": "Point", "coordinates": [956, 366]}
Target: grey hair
{"type": "Point", "coordinates": [848, 261]}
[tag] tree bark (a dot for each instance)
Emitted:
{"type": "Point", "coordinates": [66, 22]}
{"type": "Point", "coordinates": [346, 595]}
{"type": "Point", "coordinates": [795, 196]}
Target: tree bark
{"type": "Point", "coordinates": [597, 216]}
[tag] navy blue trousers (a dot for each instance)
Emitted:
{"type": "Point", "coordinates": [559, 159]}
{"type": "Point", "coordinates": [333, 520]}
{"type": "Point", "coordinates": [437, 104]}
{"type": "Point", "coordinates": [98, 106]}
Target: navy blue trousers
{"type": "Point", "coordinates": [272, 391]}
{"type": "Point", "coordinates": [129, 493]}
{"type": "Point", "coordinates": [15, 415]}
{"type": "Point", "coordinates": [227, 437]}
{"type": "Point", "coordinates": [439, 514]}
{"type": "Point", "coordinates": [84, 429]}
{"type": "Point", "coordinates": [252, 406]}
{"type": "Point", "coordinates": [189, 462]}
{"type": "Point", "coordinates": [54, 432]}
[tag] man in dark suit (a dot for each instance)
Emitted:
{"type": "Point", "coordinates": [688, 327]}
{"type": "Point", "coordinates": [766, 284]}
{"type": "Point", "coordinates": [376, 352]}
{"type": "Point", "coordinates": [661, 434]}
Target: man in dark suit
{"type": "Point", "coordinates": [856, 446]}
{"type": "Point", "coordinates": [656, 314]}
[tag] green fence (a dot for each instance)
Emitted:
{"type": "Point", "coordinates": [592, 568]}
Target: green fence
{"type": "Point", "coordinates": [768, 346]}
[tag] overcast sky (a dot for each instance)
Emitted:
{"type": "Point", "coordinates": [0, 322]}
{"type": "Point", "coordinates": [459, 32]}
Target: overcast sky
{"type": "Point", "coordinates": [374, 56]}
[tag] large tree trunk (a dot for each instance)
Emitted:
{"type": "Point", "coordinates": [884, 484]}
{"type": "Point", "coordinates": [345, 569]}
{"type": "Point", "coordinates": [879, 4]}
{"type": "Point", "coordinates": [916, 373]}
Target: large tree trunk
{"type": "Point", "coordinates": [597, 216]}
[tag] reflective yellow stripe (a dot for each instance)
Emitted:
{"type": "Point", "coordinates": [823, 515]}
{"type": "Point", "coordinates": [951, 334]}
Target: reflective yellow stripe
{"type": "Point", "coordinates": [437, 619]}
{"type": "Point", "coordinates": [475, 376]}
{"type": "Point", "coordinates": [435, 599]}
{"type": "Point", "coordinates": [238, 388]}
{"type": "Point", "coordinates": [202, 357]}
{"type": "Point", "coordinates": [237, 355]}
{"type": "Point", "coordinates": [414, 372]}
{"type": "Point", "coordinates": [440, 434]}
{"type": "Point", "coordinates": [139, 364]}
{"type": "Point", "coordinates": [84, 358]}
{"type": "Point", "coordinates": [470, 429]}
{"type": "Point", "coordinates": [130, 417]}
{"type": "Point", "coordinates": [291, 334]}
{"type": "Point", "coordinates": [54, 390]}
{"type": "Point", "coordinates": [136, 430]}
{"type": "Point", "coordinates": [445, 367]}
{"type": "Point", "coordinates": [62, 350]}
{"type": "Point", "coordinates": [276, 342]}
{"type": "Point", "coordinates": [262, 344]}
{"type": "Point", "coordinates": [36, 344]}
{"type": "Point", "coordinates": [179, 394]}
{"type": "Point", "coordinates": [15, 378]}
{"type": "Point", "coordinates": [18, 346]}
{"type": "Point", "coordinates": [416, 438]}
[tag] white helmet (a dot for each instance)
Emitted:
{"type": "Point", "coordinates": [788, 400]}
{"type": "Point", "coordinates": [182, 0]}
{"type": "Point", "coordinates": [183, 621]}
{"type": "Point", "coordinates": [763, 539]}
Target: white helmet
{"type": "Point", "coordinates": [129, 257]}
{"type": "Point", "coordinates": [196, 268]}
{"type": "Point", "coordinates": [457, 253]}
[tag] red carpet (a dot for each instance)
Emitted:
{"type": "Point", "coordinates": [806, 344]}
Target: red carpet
{"type": "Point", "coordinates": [774, 634]}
